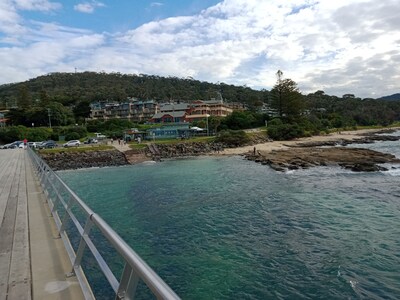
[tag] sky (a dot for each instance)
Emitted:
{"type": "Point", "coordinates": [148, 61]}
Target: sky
{"type": "Point", "coordinates": [338, 46]}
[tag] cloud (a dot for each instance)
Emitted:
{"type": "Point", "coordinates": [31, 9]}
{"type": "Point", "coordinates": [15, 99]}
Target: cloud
{"type": "Point", "coordinates": [9, 20]}
{"type": "Point", "coordinates": [88, 7]}
{"type": "Point", "coordinates": [341, 46]}
{"type": "Point", "coordinates": [37, 5]}
{"type": "Point", "coordinates": [156, 4]}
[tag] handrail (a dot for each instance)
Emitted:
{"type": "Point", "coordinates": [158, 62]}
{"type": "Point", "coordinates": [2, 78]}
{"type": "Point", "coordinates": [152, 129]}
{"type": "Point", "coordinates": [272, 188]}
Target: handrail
{"type": "Point", "coordinates": [135, 267]}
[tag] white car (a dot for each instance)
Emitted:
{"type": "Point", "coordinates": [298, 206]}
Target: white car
{"type": "Point", "coordinates": [73, 143]}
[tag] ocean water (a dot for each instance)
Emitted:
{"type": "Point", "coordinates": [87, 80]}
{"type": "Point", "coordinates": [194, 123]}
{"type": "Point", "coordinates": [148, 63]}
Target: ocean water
{"type": "Point", "coordinates": [227, 228]}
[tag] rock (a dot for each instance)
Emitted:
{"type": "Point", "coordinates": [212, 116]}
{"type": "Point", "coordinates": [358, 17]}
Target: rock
{"type": "Point", "coordinates": [356, 159]}
{"type": "Point", "coordinates": [157, 151]}
{"type": "Point", "coordinates": [366, 139]}
{"type": "Point", "coordinates": [87, 159]}
{"type": "Point", "coordinates": [366, 167]}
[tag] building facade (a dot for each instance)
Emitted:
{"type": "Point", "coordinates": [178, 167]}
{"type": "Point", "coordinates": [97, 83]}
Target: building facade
{"type": "Point", "coordinates": [134, 110]}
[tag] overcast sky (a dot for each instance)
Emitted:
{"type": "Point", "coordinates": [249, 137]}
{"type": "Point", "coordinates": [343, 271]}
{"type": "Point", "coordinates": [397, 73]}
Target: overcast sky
{"type": "Point", "coordinates": [338, 46]}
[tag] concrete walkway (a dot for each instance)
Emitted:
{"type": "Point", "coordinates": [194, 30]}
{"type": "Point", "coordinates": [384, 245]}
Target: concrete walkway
{"type": "Point", "coordinates": [33, 261]}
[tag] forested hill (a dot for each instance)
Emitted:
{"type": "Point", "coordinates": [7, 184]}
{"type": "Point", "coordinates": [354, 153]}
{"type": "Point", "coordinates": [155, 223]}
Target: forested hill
{"type": "Point", "coordinates": [394, 97]}
{"type": "Point", "coordinates": [73, 88]}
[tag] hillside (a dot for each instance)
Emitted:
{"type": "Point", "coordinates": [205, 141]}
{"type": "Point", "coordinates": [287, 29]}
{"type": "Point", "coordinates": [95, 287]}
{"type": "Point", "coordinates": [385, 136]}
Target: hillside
{"type": "Point", "coordinates": [394, 97]}
{"type": "Point", "coordinates": [73, 88]}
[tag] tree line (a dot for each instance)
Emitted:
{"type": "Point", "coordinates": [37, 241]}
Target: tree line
{"type": "Point", "coordinates": [63, 99]}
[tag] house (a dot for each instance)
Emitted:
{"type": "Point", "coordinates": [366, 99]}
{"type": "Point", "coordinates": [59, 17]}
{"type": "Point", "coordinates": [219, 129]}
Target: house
{"type": "Point", "coordinates": [135, 110]}
{"type": "Point", "coordinates": [175, 130]}
{"type": "Point", "coordinates": [172, 113]}
{"type": "Point", "coordinates": [134, 134]}
{"type": "Point", "coordinates": [169, 117]}
{"type": "Point", "coordinates": [203, 109]}
{"type": "Point", "coordinates": [3, 120]}
{"type": "Point", "coordinates": [190, 112]}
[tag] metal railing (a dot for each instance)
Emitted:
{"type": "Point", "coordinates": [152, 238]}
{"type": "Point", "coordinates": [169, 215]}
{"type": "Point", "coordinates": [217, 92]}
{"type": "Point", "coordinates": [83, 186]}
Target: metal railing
{"type": "Point", "coordinates": [61, 200]}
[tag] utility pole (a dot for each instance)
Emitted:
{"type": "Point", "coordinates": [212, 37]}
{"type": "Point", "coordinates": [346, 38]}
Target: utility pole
{"type": "Point", "coordinates": [208, 132]}
{"type": "Point", "coordinates": [49, 114]}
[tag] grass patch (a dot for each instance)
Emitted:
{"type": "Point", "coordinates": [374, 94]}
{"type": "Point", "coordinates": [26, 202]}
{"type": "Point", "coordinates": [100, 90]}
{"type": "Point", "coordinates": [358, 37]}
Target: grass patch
{"type": "Point", "coordinates": [136, 146]}
{"type": "Point", "coordinates": [77, 149]}
{"type": "Point", "coordinates": [199, 139]}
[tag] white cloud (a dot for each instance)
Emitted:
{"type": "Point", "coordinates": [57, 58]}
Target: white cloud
{"type": "Point", "coordinates": [9, 20]}
{"type": "Point", "coordinates": [88, 7]}
{"type": "Point", "coordinates": [341, 46]}
{"type": "Point", "coordinates": [38, 5]}
{"type": "Point", "coordinates": [156, 4]}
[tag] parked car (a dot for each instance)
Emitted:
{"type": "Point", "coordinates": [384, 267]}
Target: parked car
{"type": "Point", "coordinates": [47, 145]}
{"type": "Point", "coordinates": [72, 143]}
{"type": "Point", "coordinates": [91, 141]}
{"type": "Point", "coordinates": [99, 135]}
{"type": "Point", "coordinates": [5, 146]}
{"type": "Point", "coordinates": [15, 145]}
{"type": "Point", "coordinates": [32, 144]}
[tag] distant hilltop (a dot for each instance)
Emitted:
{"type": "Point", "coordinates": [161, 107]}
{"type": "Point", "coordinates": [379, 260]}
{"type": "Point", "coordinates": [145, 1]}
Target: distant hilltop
{"type": "Point", "coordinates": [394, 97]}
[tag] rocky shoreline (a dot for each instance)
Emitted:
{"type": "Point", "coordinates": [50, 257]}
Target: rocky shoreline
{"type": "Point", "coordinates": [299, 155]}
{"type": "Point", "coordinates": [328, 153]}
{"type": "Point", "coordinates": [110, 158]}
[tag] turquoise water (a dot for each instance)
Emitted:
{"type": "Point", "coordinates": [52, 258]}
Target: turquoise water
{"type": "Point", "coordinates": [227, 228]}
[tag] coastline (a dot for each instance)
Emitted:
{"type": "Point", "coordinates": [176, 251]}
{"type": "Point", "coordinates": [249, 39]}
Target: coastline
{"type": "Point", "coordinates": [351, 136]}
{"type": "Point", "coordinates": [122, 154]}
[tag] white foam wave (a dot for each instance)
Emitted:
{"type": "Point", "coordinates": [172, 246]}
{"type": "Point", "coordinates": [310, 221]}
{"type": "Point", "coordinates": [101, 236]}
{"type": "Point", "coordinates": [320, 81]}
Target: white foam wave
{"type": "Point", "coordinates": [393, 172]}
{"type": "Point", "coordinates": [353, 284]}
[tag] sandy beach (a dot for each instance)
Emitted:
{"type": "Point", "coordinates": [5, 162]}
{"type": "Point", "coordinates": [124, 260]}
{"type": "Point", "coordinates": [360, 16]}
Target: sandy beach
{"type": "Point", "coordinates": [278, 145]}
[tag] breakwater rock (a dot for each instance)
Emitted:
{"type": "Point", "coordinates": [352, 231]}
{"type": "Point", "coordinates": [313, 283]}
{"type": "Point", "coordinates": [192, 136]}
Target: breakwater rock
{"type": "Point", "coordinates": [355, 159]}
{"type": "Point", "coordinates": [158, 151]}
{"type": "Point", "coordinates": [85, 159]}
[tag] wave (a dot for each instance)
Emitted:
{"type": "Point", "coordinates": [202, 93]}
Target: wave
{"type": "Point", "coordinates": [392, 172]}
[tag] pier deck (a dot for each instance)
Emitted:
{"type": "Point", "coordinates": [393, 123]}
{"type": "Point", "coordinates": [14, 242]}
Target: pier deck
{"type": "Point", "coordinates": [33, 261]}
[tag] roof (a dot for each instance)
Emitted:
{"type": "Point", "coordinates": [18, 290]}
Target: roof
{"type": "Point", "coordinates": [175, 114]}
{"type": "Point", "coordinates": [174, 107]}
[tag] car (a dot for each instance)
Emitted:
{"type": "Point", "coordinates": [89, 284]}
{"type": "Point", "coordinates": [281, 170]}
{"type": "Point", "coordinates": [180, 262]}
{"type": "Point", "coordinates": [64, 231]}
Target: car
{"type": "Point", "coordinates": [72, 143]}
{"type": "Point", "coordinates": [99, 135]}
{"type": "Point", "coordinates": [33, 144]}
{"type": "Point", "coordinates": [14, 145]}
{"type": "Point", "coordinates": [47, 145]}
{"type": "Point", "coordinates": [91, 141]}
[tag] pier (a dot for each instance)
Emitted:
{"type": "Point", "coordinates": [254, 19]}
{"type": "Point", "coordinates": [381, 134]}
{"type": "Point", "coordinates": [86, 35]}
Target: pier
{"type": "Point", "coordinates": [37, 258]}
{"type": "Point", "coordinates": [33, 261]}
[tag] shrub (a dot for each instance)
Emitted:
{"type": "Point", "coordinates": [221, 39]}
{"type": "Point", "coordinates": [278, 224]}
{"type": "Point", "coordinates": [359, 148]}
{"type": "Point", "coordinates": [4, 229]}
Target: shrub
{"type": "Point", "coordinates": [233, 138]}
{"type": "Point", "coordinates": [38, 134]}
{"type": "Point", "coordinates": [72, 136]}
{"type": "Point", "coordinates": [76, 131]}
{"type": "Point", "coordinates": [285, 131]}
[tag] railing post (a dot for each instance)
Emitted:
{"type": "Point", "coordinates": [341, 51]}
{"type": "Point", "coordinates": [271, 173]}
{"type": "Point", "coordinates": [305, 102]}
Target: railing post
{"type": "Point", "coordinates": [66, 215]}
{"type": "Point", "coordinates": [82, 243]}
{"type": "Point", "coordinates": [128, 284]}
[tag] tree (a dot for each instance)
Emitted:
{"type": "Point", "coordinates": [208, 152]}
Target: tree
{"type": "Point", "coordinates": [239, 120]}
{"type": "Point", "coordinates": [286, 98]}
{"type": "Point", "coordinates": [59, 114]}
{"type": "Point", "coordinates": [214, 123]}
{"type": "Point", "coordinates": [44, 98]}
{"type": "Point", "coordinates": [24, 98]}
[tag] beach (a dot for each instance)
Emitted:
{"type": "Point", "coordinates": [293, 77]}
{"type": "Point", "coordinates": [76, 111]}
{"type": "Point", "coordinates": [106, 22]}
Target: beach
{"type": "Point", "coordinates": [281, 145]}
